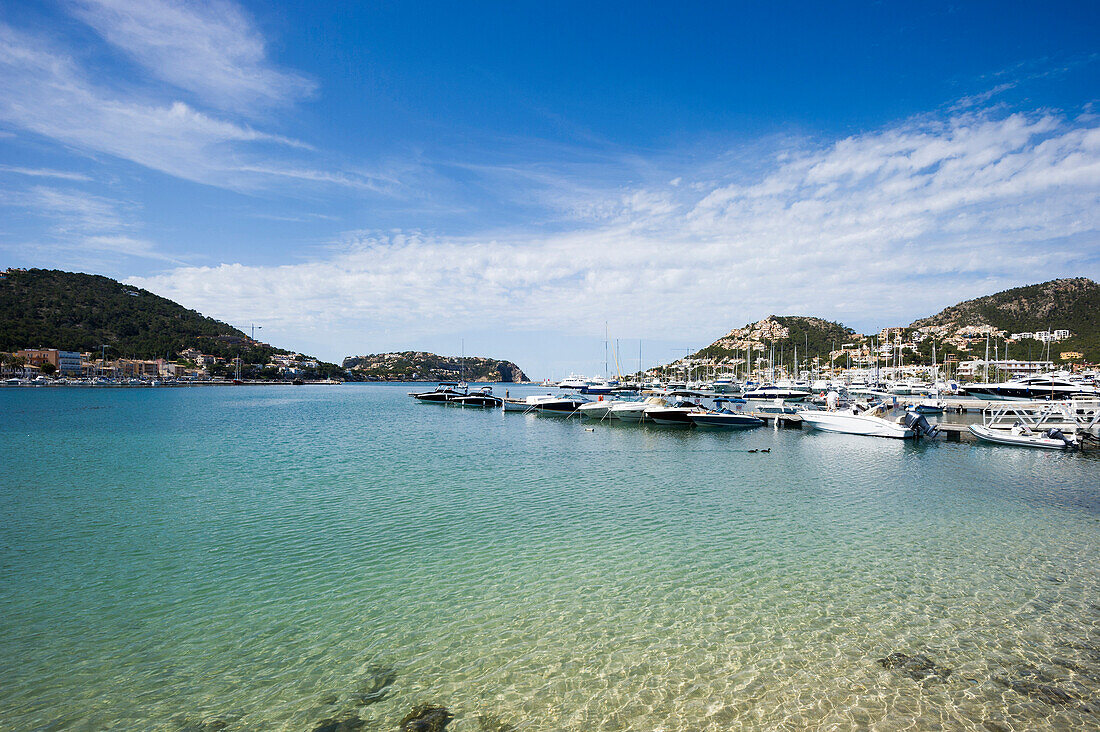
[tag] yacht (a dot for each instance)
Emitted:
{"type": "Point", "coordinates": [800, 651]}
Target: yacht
{"type": "Point", "coordinates": [1033, 388]}
{"type": "Point", "coordinates": [910, 387]}
{"type": "Point", "coordinates": [599, 385]}
{"type": "Point", "coordinates": [723, 384]}
{"type": "Point", "coordinates": [772, 391]}
{"type": "Point", "coordinates": [873, 421]}
{"type": "Point", "coordinates": [573, 382]}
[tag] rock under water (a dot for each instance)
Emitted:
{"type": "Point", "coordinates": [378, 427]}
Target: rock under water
{"type": "Point", "coordinates": [918, 667]}
{"type": "Point", "coordinates": [426, 718]}
{"type": "Point", "coordinates": [376, 686]}
{"type": "Point", "coordinates": [347, 723]}
{"type": "Point", "coordinates": [493, 723]}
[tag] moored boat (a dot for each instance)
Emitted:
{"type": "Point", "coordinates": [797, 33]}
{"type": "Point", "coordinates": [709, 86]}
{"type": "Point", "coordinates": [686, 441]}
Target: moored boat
{"type": "Point", "coordinates": [443, 393]}
{"type": "Point", "coordinates": [871, 421]}
{"type": "Point", "coordinates": [1021, 436]}
{"type": "Point", "coordinates": [725, 419]}
{"type": "Point", "coordinates": [635, 411]}
{"type": "Point", "coordinates": [1031, 388]}
{"type": "Point", "coordinates": [679, 415]}
{"type": "Point", "coordinates": [560, 406]}
{"type": "Point", "coordinates": [482, 398]}
{"type": "Point", "coordinates": [600, 409]}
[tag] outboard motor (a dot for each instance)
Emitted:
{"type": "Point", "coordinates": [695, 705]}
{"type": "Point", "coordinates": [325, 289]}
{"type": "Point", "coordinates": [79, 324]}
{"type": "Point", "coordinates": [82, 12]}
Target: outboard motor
{"type": "Point", "coordinates": [920, 425]}
{"type": "Point", "coordinates": [1056, 434]}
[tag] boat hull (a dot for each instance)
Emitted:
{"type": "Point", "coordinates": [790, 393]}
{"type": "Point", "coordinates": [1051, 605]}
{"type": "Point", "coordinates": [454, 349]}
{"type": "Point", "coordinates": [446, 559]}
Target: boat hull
{"type": "Point", "coordinates": [479, 401]}
{"type": "Point", "coordinates": [629, 415]}
{"type": "Point", "coordinates": [669, 416]}
{"type": "Point", "coordinates": [598, 410]}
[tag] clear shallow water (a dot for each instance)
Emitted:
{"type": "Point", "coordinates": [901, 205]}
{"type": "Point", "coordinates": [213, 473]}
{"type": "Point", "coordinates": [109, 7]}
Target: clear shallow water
{"type": "Point", "coordinates": [174, 555]}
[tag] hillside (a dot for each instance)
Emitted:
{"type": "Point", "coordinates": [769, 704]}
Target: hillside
{"type": "Point", "coordinates": [80, 312]}
{"type": "Point", "coordinates": [812, 336]}
{"type": "Point", "coordinates": [423, 366]}
{"type": "Point", "coordinates": [1070, 304]}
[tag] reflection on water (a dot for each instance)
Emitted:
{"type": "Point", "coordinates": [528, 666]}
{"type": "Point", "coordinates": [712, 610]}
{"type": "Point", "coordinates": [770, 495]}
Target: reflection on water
{"type": "Point", "coordinates": [269, 558]}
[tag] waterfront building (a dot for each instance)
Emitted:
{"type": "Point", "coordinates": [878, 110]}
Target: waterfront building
{"type": "Point", "coordinates": [66, 362]}
{"type": "Point", "coordinates": [977, 367]}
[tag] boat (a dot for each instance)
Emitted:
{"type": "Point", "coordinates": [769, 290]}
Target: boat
{"type": "Point", "coordinates": [527, 404]}
{"type": "Point", "coordinates": [560, 406]}
{"type": "Point", "coordinates": [573, 382]}
{"type": "Point", "coordinates": [443, 393]}
{"type": "Point", "coordinates": [928, 407]}
{"type": "Point", "coordinates": [771, 391]}
{"type": "Point", "coordinates": [872, 421]}
{"type": "Point", "coordinates": [1033, 388]}
{"type": "Point", "coordinates": [1022, 436]}
{"type": "Point", "coordinates": [723, 384]}
{"type": "Point", "coordinates": [1052, 425]}
{"type": "Point", "coordinates": [635, 411]}
{"type": "Point", "coordinates": [482, 398]}
{"type": "Point", "coordinates": [676, 415]}
{"type": "Point", "coordinates": [597, 410]}
{"type": "Point", "coordinates": [725, 419]}
{"type": "Point", "coordinates": [598, 385]}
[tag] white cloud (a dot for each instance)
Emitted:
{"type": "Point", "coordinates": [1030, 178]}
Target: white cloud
{"type": "Point", "coordinates": [209, 48]}
{"type": "Point", "coordinates": [44, 173]}
{"type": "Point", "coordinates": [851, 231]}
{"type": "Point", "coordinates": [44, 92]}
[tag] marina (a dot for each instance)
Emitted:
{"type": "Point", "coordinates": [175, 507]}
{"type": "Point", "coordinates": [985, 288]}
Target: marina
{"type": "Point", "coordinates": [1072, 424]}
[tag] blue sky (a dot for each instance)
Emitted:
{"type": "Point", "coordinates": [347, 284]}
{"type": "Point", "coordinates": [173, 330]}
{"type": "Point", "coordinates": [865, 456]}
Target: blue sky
{"type": "Point", "coordinates": [364, 177]}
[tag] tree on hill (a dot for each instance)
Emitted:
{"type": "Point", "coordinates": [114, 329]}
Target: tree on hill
{"type": "Point", "coordinates": [82, 312]}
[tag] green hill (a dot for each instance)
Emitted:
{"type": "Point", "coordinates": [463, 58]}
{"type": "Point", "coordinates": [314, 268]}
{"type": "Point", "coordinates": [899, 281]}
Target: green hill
{"type": "Point", "coordinates": [812, 336]}
{"type": "Point", "coordinates": [79, 312]}
{"type": "Point", "coordinates": [1070, 304]}
{"type": "Point", "coordinates": [424, 366]}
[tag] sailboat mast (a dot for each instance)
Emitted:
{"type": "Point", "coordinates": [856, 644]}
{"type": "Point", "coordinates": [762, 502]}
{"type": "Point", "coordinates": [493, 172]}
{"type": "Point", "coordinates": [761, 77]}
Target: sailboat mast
{"type": "Point", "coordinates": [605, 371]}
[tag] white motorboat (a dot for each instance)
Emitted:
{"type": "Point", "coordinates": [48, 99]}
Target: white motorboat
{"type": "Point", "coordinates": [871, 421]}
{"type": "Point", "coordinates": [635, 411]}
{"type": "Point", "coordinates": [597, 410]}
{"type": "Point", "coordinates": [1021, 436]}
{"type": "Point", "coordinates": [527, 404]}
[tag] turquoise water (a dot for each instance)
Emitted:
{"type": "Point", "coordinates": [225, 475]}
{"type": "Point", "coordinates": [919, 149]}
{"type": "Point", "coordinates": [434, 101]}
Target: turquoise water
{"type": "Point", "coordinates": [273, 556]}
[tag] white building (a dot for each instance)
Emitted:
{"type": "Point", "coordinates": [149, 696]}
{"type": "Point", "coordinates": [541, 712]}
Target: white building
{"type": "Point", "coordinates": [977, 367]}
